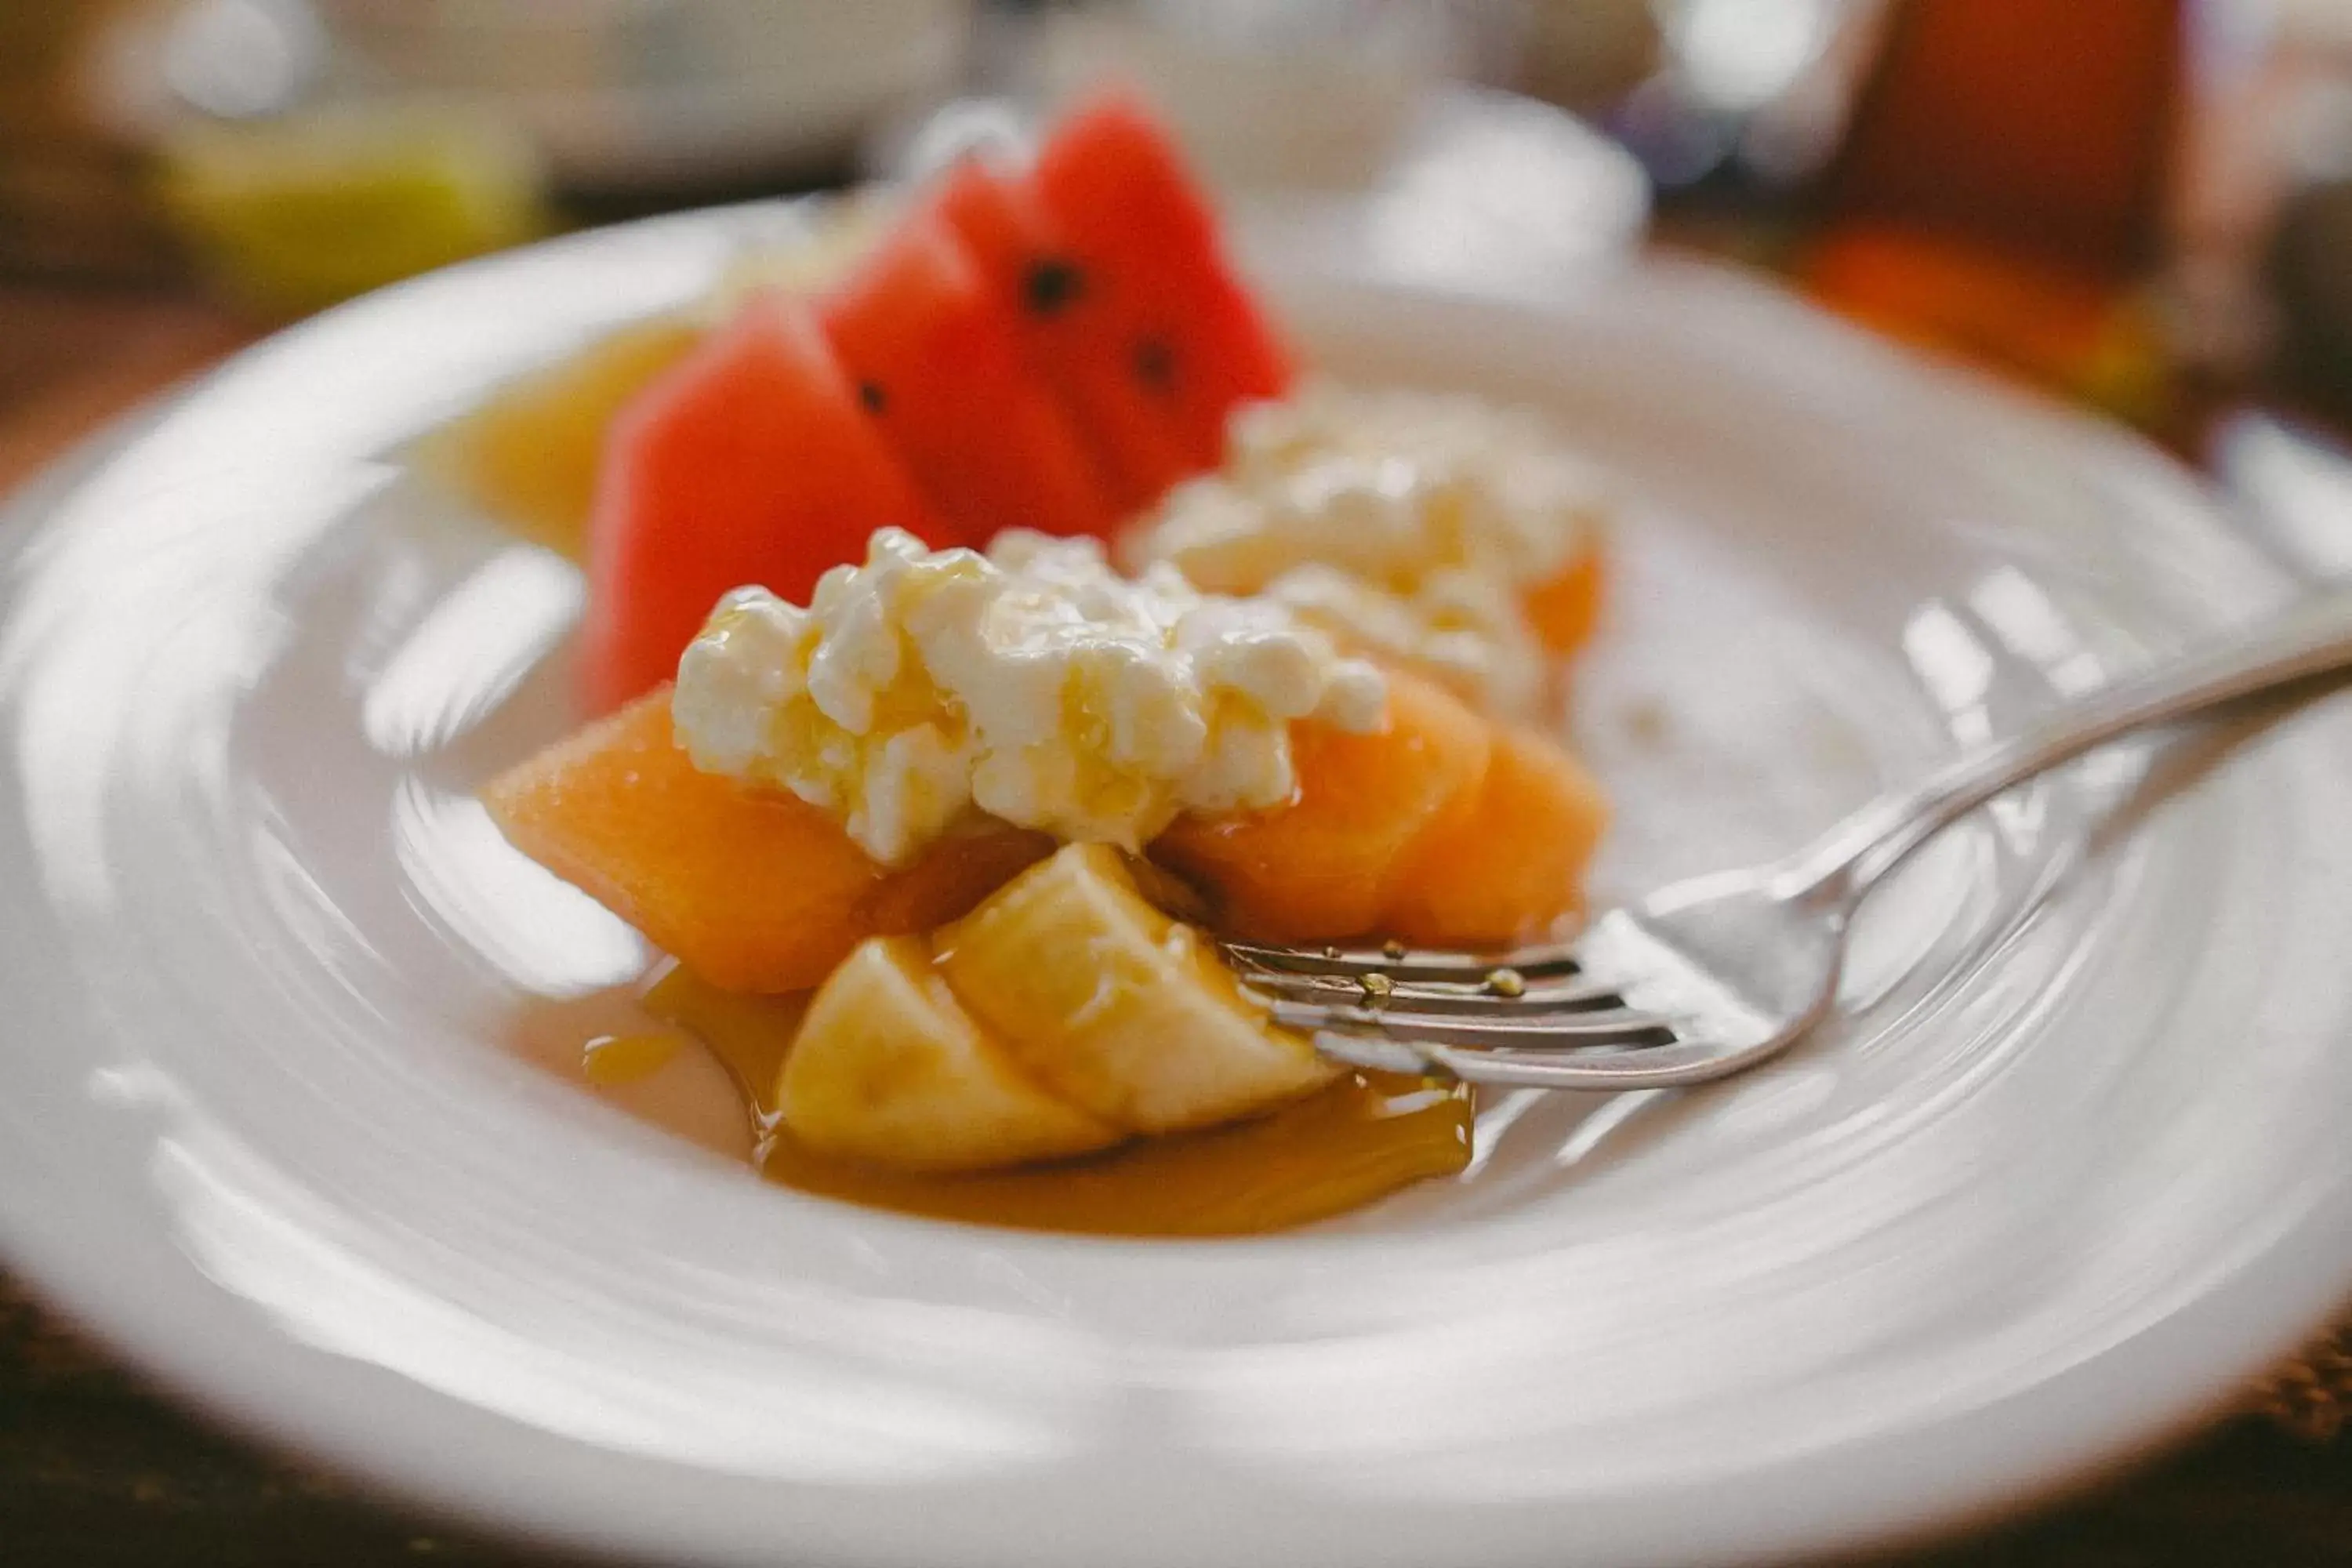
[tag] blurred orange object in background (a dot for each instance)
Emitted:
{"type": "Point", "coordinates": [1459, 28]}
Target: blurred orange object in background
{"type": "Point", "coordinates": [2061, 327]}
{"type": "Point", "coordinates": [2003, 190]}
{"type": "Point", "coordinates": [2037, 127]}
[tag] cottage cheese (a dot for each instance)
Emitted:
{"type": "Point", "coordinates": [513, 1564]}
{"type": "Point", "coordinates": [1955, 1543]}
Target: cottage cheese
{"type": "Point", "coordinates": [1409, 524]}
{"type": "Point", "coordinates": [1032, 683]}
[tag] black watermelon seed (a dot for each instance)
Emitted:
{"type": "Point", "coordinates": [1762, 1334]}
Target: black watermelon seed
{"type": "Point", "coordinates": [1050, 284]}
{"type": "Point", "coordinates": [1155, 363]}
{"type": "Point", "coordinates": [870, 393]}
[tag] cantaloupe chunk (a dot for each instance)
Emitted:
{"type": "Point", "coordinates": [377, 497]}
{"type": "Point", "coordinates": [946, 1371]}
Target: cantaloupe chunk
{"type": "Point", "coordinates": [1442, 829]}
{"type": "Point", "coordinates": [1326, 864]}
{"type": "Point", "coordinates": [753, 889]}
{"type": "Point", "coordinates": [1511, 867]}
{"type": "Point", "coordinates": [1564, 611]}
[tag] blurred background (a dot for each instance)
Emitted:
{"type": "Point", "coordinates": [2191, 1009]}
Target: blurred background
{"type": "Point", "coordinates": [2138, 205]}
{"type": "Point", "coordinates": [2136, 202]}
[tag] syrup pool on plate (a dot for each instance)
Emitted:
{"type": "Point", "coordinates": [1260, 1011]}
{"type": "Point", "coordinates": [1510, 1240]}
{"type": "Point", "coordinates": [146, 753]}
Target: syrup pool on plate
{"type": "Point", "coordinates": [701, 1063]}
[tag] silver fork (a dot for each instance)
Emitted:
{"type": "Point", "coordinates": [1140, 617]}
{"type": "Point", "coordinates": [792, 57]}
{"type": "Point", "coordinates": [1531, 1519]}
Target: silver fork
{"type": "Point", "coordinates": [1712, 975]}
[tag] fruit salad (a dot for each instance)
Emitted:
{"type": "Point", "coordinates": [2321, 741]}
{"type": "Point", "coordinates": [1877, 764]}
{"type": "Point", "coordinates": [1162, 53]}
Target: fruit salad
{"type": "Point", "coordinates": [981, 628]}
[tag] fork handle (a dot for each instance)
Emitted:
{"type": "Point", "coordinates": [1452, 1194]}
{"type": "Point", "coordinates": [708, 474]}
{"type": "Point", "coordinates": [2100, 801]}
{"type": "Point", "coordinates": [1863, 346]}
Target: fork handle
{"type": "Point", "coordinates": [2312, 638]}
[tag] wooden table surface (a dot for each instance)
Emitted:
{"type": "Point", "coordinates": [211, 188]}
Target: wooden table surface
{"type": "Point", "coordinates": [96, 1470]}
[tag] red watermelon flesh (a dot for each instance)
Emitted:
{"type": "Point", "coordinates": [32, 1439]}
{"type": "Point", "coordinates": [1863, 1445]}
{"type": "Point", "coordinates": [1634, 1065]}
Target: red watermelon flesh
{"type": "Point", "coordinates": [750, 461]}
{"type": "Point", "coordinates": [1143, 239]}
{"type": "Point", "coordinates": [938, 368]}
{"type": "Point", "coordinates": [1074, 343]}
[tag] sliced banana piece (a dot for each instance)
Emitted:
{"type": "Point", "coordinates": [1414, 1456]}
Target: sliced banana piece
{"type": "Point", "coordinates": [1115, 1006]}
{"type": "Point", "coordinates": [888, 1068]}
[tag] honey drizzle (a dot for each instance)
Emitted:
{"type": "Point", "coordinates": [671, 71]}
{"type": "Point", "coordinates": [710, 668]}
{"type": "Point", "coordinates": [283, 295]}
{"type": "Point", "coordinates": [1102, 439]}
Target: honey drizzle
{"type": "Point", "coordinates": [1345, 1146]}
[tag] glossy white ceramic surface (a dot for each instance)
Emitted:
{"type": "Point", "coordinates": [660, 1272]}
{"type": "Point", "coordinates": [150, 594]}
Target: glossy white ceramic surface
{"type": "Point", "coordinates": [2063, 1173]}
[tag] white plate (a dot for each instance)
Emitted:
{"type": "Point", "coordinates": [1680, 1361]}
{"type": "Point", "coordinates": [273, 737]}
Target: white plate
{"type": "Point", "coordinates": [2058, 1183]}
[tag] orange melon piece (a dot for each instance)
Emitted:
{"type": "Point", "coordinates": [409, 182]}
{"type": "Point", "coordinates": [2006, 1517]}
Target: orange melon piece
{"type": "Point", "coordinates": [1564, 611]}
{"type": "Point", "coordinates": [1326, 865]}
{"type": "Point", "coordinates": [1509, 867]}
{"type": "Point", "coordinates": [753, 889]}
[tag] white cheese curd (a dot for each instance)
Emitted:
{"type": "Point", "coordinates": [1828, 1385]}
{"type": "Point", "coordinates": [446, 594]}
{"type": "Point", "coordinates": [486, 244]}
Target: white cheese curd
{"type": "Point", "coordinates": [1032, 683]}
{"type": "Point", "coordinates": [1462, 628]}
{"type": "Point", "coordinates": [1409, 524]}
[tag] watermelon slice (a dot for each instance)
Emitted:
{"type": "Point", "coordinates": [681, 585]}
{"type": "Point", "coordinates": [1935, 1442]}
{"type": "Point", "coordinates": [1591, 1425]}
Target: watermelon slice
{"type": "Point", "coordinates": [1074, 344]}
{"type": "Point", "coordinates": [750, 461]}
{"type": "Point", "coordinates": [1144, 246]}
{"type": "Point", "coordinates": [932, 349]}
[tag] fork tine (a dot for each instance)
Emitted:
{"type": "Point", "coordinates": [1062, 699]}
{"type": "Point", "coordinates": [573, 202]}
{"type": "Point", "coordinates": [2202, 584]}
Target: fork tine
{"type": "Point", "coordinates": [1678, 1066]}
{"type": "Point", "coordinates": [1458, 968]}
{"type": "Point", "coordinates": [1560, 1031]}
{"type": "Point", "coordinates": [1683, 1063]}
{"type": "Point", "coordinates": [1572, 996]}
{"type": "Point", "coordinates": [1376, 1054]}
